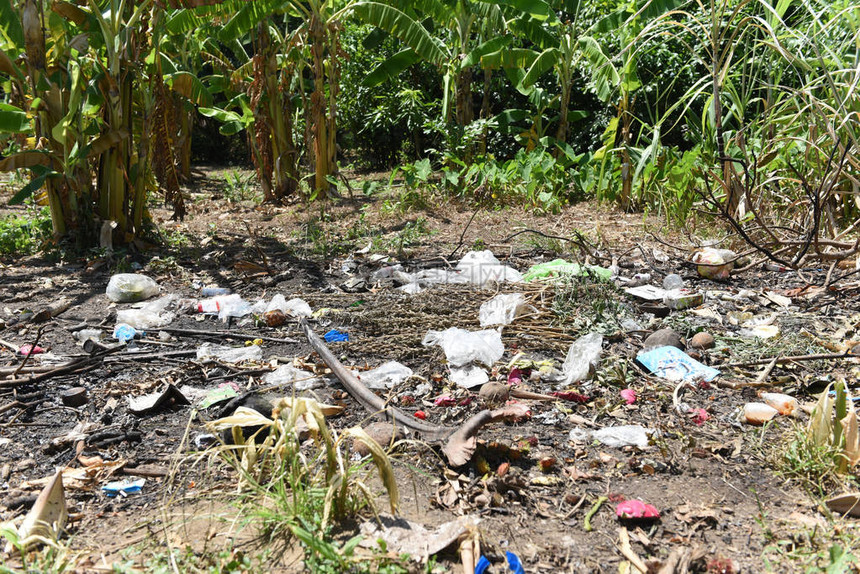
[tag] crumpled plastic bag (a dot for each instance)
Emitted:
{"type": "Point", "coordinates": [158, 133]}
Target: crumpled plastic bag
{"type": "Point", "coordinates": [463, 347]}
{"type": "Point", "coordinates": [150, 316]}
{"type": "Point", "coordinates": [582, 358]}
{"type": "Point", "coordinates": [295, 307]}
{"type": "Point", "coordinates": [717, 263]}
{"type": "Point", "coordinates": [481, 267]}
{"type": "Point", "coordinates": [131, 287]}
{"type": "Point", "coordinates": [230, 354]}
{"type": "Point", "coordinates": [286, 374]}
{"type": "Point", "coordinates": [501, 309]}
{"type": "Point", "coordinates": [386, 376]}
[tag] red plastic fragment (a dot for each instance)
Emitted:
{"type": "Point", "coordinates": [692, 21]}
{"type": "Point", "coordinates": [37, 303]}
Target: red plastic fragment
{"type": "Point", "coordinates": [420, 415]}
{"type": "Point", "coordinates": [629, 396]}
{"type": "Point", "coordinates": [636, 509]}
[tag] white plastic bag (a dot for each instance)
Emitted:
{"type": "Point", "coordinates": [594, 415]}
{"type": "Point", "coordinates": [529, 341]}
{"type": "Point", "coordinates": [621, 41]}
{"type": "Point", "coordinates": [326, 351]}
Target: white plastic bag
{"type": "Point", "coordinates": [469, 376]}
{"type": "Point", "coordinates": [480, 267]}
{"type": "Point", "coordinates": [501, 309]}
{"type": "Point", "coordinates": [582, 358]}
{"type": "Point", "coordinates": [131, 287]}
{"type": "Point", "coordinates": [230, 354]}
{"type": "Point", "coordinates": [386, 375]}
{"type": "Point", "coordinates": [149, 316]}
{"type": "Point", "coordinates": [295, 307]}
{"type": "Point", "coordinates": [462, 347]}
{"type": "Point", "coordinates": [301, 380]}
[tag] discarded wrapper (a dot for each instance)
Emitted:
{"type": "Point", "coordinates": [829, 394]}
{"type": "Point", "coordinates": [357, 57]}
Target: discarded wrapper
{"type": "Point", "coordinates": [674, 364]}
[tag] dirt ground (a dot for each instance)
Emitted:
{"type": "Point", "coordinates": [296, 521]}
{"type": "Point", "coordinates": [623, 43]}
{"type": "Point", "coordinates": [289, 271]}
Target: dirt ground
{"type": "Point", "coordinates": [726, 501]}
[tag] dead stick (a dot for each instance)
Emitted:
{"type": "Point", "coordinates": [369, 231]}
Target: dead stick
{"type": "Point", "coordinates": [790, 359]}
{"type": "Point", "coordinates": [459, 443]}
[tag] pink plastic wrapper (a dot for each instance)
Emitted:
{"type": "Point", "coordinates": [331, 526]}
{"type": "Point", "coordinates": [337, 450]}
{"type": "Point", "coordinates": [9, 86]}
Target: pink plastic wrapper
{"type": "Point", "coordinates": [636, 510]}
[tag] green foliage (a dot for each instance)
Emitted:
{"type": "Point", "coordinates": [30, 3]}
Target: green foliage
{"type": "Point", "coordinates": [24, 235]}
{"type": "Point", "coordinates": [238, 187]}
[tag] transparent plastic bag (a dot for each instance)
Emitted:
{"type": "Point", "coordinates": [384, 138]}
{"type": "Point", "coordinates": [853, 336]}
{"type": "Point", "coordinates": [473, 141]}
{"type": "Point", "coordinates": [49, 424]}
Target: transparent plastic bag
{"type": "Point", "coordinates": [386, 376]}
{"type": "Point", "coordinates": [481, 267]}
{"type": "Point", "coordinates": [149, 316]}
{"type": "Point", "coordinates": [582, 358]}
{"type": "Point", "coordinates": [295, 307]}
{"type": "Point", "coordinates": [469, 376]}
{"type": "Point", "coordinates": [230, 354]}
{"type": "Point", "coordinates": [501, 309]}
{"type": "Point", "coordinates": [463, 347]}
{"type": "Point", "coordinates": [131, 287]}
{"type": "Point", "coordinates": [286, 374]}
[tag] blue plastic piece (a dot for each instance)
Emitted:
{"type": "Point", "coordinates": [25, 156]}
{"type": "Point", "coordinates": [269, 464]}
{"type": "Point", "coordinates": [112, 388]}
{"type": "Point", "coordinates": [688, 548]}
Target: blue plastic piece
{"type": "Point", "coordinates": [674, 364]}
{"type": "Point", "coordinates": [124, 332]}
{"type": "Point", "coordinates": [123, 487]}
{"type": "Point", "coordinates": [482, 565]}
{"type": "Point", "coordinates": [335, 336]}
{"type": "Point", "coordinates": [514, 564]}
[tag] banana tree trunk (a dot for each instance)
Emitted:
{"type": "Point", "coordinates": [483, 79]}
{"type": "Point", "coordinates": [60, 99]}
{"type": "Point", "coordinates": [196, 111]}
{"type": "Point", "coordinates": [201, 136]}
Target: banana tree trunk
{"type": "Point", "coordinates": [561, 132]}
{"type": "Point", "coordinates": [322, 155]}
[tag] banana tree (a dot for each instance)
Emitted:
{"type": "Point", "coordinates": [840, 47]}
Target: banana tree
{"type": "Point", "coordinates": [455, 49]}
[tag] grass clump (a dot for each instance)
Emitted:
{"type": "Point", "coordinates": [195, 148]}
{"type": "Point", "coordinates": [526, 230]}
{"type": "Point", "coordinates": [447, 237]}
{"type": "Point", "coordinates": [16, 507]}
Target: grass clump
{"type": "Point", "coordinates": [24, 234]}
{"type": "Point", "coordinates": [298, 490]}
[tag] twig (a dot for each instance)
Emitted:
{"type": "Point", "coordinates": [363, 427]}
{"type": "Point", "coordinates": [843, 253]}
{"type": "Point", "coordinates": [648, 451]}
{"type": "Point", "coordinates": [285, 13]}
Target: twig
{"type": "Point", "coordinates": [28, 355]}
{"type": "Point", "coordinates": [790, 359]}
{"type": "Point", "coordinates": [462, 235]}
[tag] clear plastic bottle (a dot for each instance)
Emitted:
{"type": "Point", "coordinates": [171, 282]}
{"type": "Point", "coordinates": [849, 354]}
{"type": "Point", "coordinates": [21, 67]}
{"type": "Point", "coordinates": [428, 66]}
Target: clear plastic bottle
{"type": "Point", "coordinates": [673, 281]}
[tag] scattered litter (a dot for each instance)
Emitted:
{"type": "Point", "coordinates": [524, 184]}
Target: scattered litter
{"type": "Point", "coordinates": [130, 288]}
{"type": "Point", "coordinates": [225, 306]}
{"type": "Point", "coordinates": [674, 364]}
{"type": "Point", "coordinates": [559, 268]}
{"type": "Point", "coordinates": [154, 402]}
{"type": "Point", "coordinates": [123, 487]}
{"type": "Point", "coordinates": [617, 437]}
{"type": "Point", "coordinates": [678, 299]}
{"type": "Point", "coordinates": [288, 374]}
{"type": "Point", "coordinates": [629, 396]}
{"type": "Point", "coordinates": [714, 264]}
{"type": "Point", "coordinates": [215, 291]}
{"type": "Point", "coordinates": [295, 307]}
{"type": "Point", "coordinates": [85, 334]}
{"type": "Point", "coordinates": [481, 267]}
{"type": "Point", "coordinates": [784, 404]}
{"type": "Point", "coordinates": [469, 376]}
{"type": "Point", "coordinates": [74, 397]}
{"type": "Point", "coordinates": [149, 316]}
{"type": "Point", "coordinates": [501, 309]}
{"type": "Point", "coordinates": [28, 349]}
{"type": "Point", "coordinates": [386, 376]}
{"type": "Point", "coordinates": [582, 358]}
{"type": "Point", "coordinates": [335, 336]}
{"type": "Point", "coordinates": [514, 563]}
{"type": "Point", "coordinates": [646, 292]}
{"type": "Point", "coordinates": [636, 510]}
{"type": "Point", "coordinates": [758, 413]}
{"type": "Point", "coordinates": [229, 354]}
{"type": "Point", "coordinates": [205, 398]}
{"type": "Point", "coordinates": [462, 347]}
{"type": "Point", "coordinates": [760, 331]}
{"type": "Point", "coordinates": [123, 332]}
{"type": "Point", "coordinates": [624, 435]}
{"type": "Point", "coordinates": [699, 416]}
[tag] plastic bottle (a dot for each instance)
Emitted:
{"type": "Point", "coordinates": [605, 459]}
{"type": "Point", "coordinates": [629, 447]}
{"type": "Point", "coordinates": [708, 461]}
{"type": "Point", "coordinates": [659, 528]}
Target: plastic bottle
{"type": "Point", "coordinates": [215, 291]}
